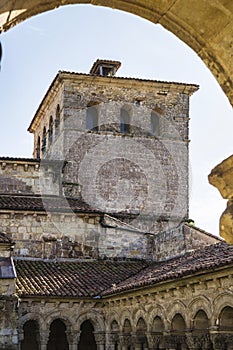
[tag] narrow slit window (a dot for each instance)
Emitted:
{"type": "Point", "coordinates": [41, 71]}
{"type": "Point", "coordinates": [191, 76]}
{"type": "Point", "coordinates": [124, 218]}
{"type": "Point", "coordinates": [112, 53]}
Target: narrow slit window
{"type": "Point", "coordinates": [124, 121]}
{"type": "Point", "coordinates": [92, 119]}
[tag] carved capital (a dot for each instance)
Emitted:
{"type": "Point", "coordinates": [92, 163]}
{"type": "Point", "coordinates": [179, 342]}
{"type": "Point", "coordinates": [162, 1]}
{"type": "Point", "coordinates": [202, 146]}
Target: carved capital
{"type": "Point", "coordinates": [125, 339]}
{"type": "Point", "coordinates": [100, 338]}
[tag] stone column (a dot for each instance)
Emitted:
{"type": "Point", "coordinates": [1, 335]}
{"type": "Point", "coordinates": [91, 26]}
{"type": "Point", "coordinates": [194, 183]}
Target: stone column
{"type": "Point", "coordinates": [44, 337]}
{"type": "Point", "coordinates": [154, 340]}
{"type": "Point", "coordinates": [125, 341]}
{"type": "Point", "coordinates": [73, 339]}
{"type": "Point", "coordinates": [100, 340]}
{"type": "Point", "coordinates": [112, 339]}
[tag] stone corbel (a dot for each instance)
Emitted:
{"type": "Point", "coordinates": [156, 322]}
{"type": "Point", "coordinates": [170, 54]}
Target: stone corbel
{"type": "Point", "coordinates": [222, 178]}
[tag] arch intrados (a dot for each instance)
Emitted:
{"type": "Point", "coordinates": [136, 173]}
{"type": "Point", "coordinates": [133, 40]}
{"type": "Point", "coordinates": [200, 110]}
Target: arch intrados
{"type": "Point", "coordinates": [174, 20]}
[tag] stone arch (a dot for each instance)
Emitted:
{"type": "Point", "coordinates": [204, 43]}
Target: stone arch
{"type": "Point", "coordinates": [95, 317]}
{"type": "Point", "coordinates": [27, 318]}
{"type": "Point", "coordinates": [31, 337]}
{"type": "Point", "coordinates": [156, 311]}
{"type": "Point", "coordinates": [199, 303]}
{"type": "Point", "coordinates": [127, 326]}
{"type": "Point", "coordinates": [177, 307]}
{"type": "Point", "coordinates": [222, 300]}
{"type": "Point", "coordinates": [87, 337]}
{"type": "Point", "coordinates": [114, 316]}
{"type": "Point", "coordinates": [69, 323]}
{"type": "Point", "coordinates": [126, 314]}
{"type": "Point", "coordinates": [201, 321]}
{"type": "Point", "coordinates": [141, 330]}
{"type": "Point", "coordinates": [206, 26]}
{"type": "Point", "coordinates": [58, 335]}
{"type": "Point", "coordinates": [226, 319]}
{"type": "Point", "coordinates": [178, 323]}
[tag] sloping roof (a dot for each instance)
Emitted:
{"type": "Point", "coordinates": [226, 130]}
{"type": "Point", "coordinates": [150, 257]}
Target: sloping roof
{"type": "Point", "coordinates": [71, 278]}
{"type": "Point", "coordinates": [45, 203]}
{"type": "Point", "coordinates": [201, 260]}
{"type": "Point", "coordinates": [105, 277]}
{"type": "Point", "coordinates": [19, 159]}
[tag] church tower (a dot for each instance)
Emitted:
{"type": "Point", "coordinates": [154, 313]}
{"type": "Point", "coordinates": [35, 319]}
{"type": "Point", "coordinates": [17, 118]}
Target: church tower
{"type": "Point", "coordinates": [123, 143]}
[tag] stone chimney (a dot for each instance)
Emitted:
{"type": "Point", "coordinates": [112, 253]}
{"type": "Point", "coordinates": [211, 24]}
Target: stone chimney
{"type": "Point", "coordinates": [105, 68]}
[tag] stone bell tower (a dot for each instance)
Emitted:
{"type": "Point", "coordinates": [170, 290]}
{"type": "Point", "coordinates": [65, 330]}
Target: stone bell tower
{"type": "Point", "coordinates": [123, 141]}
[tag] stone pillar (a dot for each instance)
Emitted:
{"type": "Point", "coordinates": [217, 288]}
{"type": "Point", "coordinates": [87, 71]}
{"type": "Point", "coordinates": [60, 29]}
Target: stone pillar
{"type": "Point", "coordinates": [222, 178]}
{"type": "Point", "coordinates": [112, 339]}
{"type": "Point", "coordinates": [44, 337]}
{"type": "Point", "coordinates": [73, 339]}
{"type": "Point", "coordinates": [125, 341]}
{"type": "Point", "coordinates": [154, 340]}
{"type": "Point", "coordinates": [100, 340]}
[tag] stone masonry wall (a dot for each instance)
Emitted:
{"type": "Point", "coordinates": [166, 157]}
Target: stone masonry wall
{"type": "Point", "coordinates": [135, 172]}
{"type": "Point", "coordinates": [27, 177]}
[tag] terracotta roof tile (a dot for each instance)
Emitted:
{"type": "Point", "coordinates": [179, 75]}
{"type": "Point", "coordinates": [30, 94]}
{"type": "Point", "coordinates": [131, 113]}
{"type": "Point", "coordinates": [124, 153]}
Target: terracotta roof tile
{"type": "Point", "coordinates": [208, 258]}
{"type": "Point", "coordinates": [18, 159]}
{"type": "Point", "coordinates": [45, 203]}
{"type": "Point", "coordinates": [97, 277]}
{"type": "Point", "coordinates": [71, 278]}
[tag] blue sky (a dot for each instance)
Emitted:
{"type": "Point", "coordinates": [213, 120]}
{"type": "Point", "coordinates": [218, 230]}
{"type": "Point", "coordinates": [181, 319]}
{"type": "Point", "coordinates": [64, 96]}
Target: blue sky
{"type": "Point", "coordinates": [72, 38]}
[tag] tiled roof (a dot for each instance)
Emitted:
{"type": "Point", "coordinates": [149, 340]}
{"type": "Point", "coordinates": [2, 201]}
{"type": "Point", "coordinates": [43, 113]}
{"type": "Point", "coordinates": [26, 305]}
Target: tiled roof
{"type": "Point", "coordinates": [45, 203]}
{"type": "Point", "coordinates": [202, 260]}
{"type": "Point", "coordinates": [71, 278]}
{"type": "Point", "coordinates": [18, 159]}
{"type": "Point", "coordinates": [100, 277]}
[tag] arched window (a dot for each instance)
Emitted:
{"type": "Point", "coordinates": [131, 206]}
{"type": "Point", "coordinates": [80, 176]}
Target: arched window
{"type": "Point", "coordinates": [226, 318]}
{"type": "Point", "coordinates": [158, 325]}
{"type": "Point", "coordinates": [30, 336]}
{"type": "Point", "coordinates": [201, 322]}
{"type": "Point", "coordinates": [43, 148]}
{"type": "Point", "coordinates": [154, 123]}
{"type": "Point", "coordinates": [57, 336]}
{"type": "Point", "coordinates": [115, 333]}
{"type": "Point", "coordinates": [38, 148]}
{"type": "Point", "coordinates": [57, 120]}
{"type": "Point", "coordinates": [178, 323]}
{"type": "Point", "coordinates": [87, 338]}
{"type": "Point", "coordinates": [50, 130]}
{"type": "Point", "coordinates": [141, 333]}
{"type": "Point", "coordinates": [124, 121]}
{"type": "Point", "coordinates": [92, 118]}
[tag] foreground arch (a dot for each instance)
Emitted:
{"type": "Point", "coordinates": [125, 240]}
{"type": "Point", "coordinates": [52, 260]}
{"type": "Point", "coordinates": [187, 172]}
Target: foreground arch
{"type": "Point", "coordinates": [206, 26]}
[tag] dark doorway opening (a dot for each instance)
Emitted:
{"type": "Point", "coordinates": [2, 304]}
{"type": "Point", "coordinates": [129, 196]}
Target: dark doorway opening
{"type": "Point", "coordinates": [31, 333]}
{"type": "Point", "coordinates": [57, 336]}
{"type": "Point", "coordinates": [87, 339]}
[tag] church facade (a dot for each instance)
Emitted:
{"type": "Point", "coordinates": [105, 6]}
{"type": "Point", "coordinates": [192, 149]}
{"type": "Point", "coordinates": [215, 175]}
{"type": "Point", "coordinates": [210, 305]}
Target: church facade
{"type": "Point", "coordinates": [96, 250]}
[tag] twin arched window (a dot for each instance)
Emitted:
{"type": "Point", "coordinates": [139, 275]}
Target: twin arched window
{"type": "Point", "coordinates": [92, 121]}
